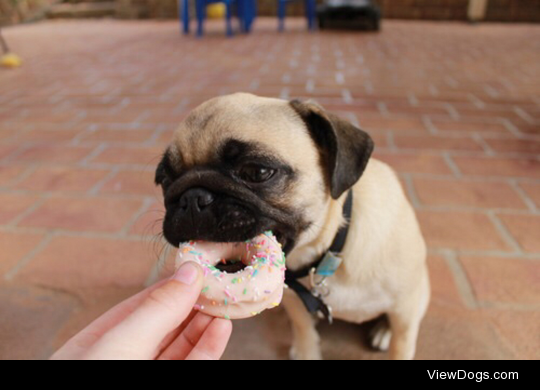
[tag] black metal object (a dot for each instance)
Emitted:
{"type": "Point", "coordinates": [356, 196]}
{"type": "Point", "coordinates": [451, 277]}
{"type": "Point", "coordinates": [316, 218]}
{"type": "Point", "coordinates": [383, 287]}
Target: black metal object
{"type": "Point", "coordinates": [350, 14]}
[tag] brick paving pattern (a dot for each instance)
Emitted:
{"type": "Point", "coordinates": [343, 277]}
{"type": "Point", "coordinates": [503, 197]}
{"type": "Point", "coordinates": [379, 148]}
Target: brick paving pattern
{"type": "Point", "coordinates": [454, 108]}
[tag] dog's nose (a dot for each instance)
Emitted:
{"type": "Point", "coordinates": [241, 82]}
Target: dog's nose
{"type": "Point", "coordinates": [197, 199]}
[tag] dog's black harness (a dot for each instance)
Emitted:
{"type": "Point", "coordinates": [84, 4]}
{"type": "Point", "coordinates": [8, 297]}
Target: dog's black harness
{"type": "Point", "coordinates": [314, 303]}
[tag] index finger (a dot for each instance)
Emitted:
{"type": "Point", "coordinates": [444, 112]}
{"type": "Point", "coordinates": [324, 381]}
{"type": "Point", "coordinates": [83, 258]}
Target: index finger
{"type": "Point", "coordinates": [93, 332]}
{"type": "Point", "coordinates": [162, 311]}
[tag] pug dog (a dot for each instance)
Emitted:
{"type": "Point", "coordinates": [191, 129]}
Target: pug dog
{"type": "Point", "coordinates": [241, 165]}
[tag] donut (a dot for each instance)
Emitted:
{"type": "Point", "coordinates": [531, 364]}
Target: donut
{"type": "Point", "coordinates": [241, 280]}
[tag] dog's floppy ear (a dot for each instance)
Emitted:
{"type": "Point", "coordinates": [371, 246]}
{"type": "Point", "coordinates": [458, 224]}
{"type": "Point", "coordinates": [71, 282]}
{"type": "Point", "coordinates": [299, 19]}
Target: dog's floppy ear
{"type": "Point", "coordinates": [345, 148]}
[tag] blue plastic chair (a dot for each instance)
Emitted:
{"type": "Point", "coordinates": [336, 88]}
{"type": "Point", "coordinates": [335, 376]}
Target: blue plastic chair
{"type": "Point", "coordinates": [311, 13]}
{"type": "Point", "coordinates": [200, 8]}
{"type": "Point", "coordinates": [247, 12]}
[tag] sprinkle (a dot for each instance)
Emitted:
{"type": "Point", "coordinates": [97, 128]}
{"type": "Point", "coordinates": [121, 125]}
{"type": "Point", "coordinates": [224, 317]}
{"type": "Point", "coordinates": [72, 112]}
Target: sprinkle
{"type": "Point", "coordinates": [227, 317]}
{"type": "Point", "coordinates": [226, 303]}
{"type": "Point", "coordinates": [228, 293]}
{"type": "Point", "coordinates": [205, 290]}
{"type": "Point", "coordinates": [254, 273]}
{"type": "Point", "coordinates": [267, 292]}
{"type": "Point", "coordinates": [245, 291]}
{"type": "Point", "coordinates": [234, 281]}
{"type": "Point", "coordinates": [275, 304]}
{"type": "Point", "coordinates": [198, 307]}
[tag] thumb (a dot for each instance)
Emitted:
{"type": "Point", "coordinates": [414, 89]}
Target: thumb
{"type": "Point", "coordinates": [140, 334]}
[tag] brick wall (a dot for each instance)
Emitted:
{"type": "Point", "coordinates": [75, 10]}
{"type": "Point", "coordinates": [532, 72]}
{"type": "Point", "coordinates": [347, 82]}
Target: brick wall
{"type": "Point", "coordinates": [514, 10]}
{"type": "Point", "coordinates": [498, 10]}
{"type": "Point", "coordinates": [16, 11]}
{"type": "Point", "coordinates": [425, 9]}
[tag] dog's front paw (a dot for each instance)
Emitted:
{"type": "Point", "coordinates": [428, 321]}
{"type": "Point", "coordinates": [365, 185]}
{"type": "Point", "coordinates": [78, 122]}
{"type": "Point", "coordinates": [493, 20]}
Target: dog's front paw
{"type": "Point", "coordinates": [380, 336]}
{"type": "Point", "coordinates": [305, 353]}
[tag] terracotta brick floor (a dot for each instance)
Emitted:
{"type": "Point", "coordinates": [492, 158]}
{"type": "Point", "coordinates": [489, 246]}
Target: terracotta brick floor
{"type": "Point", "coordinates": [454, 108]}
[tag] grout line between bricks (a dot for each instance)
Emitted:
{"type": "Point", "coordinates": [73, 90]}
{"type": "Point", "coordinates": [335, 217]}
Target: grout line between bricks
{"type": "Point", "coordinates": [383, 109]}
{"type": "Point", "coordinates": [452, 165]}
{"type": "Point", "coordinates": [23, 176]}
{"type": "Point", "coordinates": [461, 280]}
{"type": "Point", "coordinates": [428, 123]}
{"type": "Point", "coordinates": [28, 211]}
{"type": "Point", "coordinates": [471, 178]}
{"type": "Point", "coordinates": [487, 149]}
{"type": "Point", "coordinates": [8, 276]}
{"type": "Point", "coordinates": [391, 139]}
{"type": "Point", "coordinates": [505, 234]}
{"type": "Point", "coordinates": [492, 92]}
{"type": "Point", "coordinates": [310, 85]}
{"type": "Point", "coordinates": [347, 96]}
{"type": "Point", "coordinates": [454, 114]}
{"type": "Point", "coordinates": [79, 234]}
{"type": "Point", "coordinates": [476, 101]}
{"type": "Point", "coordinates": [523, 115]}
{"type": "Point", "coordinates": [510, 306]}
{"type": "Point", "coordinates": [413, 101]}
{"type": "Point", "coordinates": [99, 185]}
{"type": "Point", "coordinates": [530, 204]}
{"type": "Point", "coordinates": [94, 153]}
{"type": "Point", "coordinates": [152, 141]}
{"type": "Point", "coordinates": [512, 128]}
{"type": "Point", "coordinates": [485, 253]}
{"type": "Point", "coordinates": [472, 209]}
{"type": "Point", "coordinates": [147, 202]}
{"type": "Point", "coordinates": [411, 190]}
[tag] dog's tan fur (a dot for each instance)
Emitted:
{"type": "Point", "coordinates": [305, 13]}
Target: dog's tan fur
{"type": "Point", "coordinates": [384, 269]}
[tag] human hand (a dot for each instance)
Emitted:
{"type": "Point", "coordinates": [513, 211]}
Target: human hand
{"type": "Point", "coordinates": [157, 324]}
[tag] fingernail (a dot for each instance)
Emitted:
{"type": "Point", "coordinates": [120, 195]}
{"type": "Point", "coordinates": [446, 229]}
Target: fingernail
{"type": "Point", "coordinates": [186, 274]}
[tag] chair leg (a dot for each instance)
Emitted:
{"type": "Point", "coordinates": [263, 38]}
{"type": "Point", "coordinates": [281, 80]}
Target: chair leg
{"type": "Point", "coordinates": [183, 9]}
{"type": "Point", "coordinates": [250, 12]}
{"type": "Point", "coordinates": [311, 13]}
{"type": "Point", "coordinates": [240, 8]}
{"type": "Point", "coordinates": [253, 12]}
{"type": "Point", "coordinates": [281, 14]}
{"type": "Point", "coordinates": [230, 32]}
{"type": "Point", "coordinates": [200, 5]}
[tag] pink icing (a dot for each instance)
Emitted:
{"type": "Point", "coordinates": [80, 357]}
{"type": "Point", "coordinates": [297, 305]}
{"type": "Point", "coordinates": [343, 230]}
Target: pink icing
{"type": "Point", "coordinates": [246, 293]}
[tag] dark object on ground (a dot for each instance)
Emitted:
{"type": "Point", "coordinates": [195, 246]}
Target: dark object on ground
{"type": "Point", "coordinates": [350, 14]}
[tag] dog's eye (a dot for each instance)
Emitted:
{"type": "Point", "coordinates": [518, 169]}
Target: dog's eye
{"type": "Point", "coordinates": [256, 173]}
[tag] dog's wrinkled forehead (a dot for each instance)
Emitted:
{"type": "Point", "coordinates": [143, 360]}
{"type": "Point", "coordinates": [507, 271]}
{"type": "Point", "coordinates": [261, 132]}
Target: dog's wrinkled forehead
{"type": "Point", "coordinates": [270, 125]}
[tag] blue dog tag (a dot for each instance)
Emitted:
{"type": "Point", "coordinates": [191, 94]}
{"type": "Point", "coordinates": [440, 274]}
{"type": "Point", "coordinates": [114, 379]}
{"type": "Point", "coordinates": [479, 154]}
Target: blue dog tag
{"type": "Point", "coordinates": [329, 265]}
